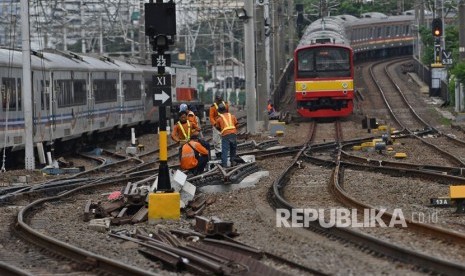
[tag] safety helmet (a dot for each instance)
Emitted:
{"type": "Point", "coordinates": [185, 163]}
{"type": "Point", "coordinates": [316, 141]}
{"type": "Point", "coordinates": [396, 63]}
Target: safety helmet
{"type": "Point", "coordinates": [183, 107]}
{"type": "Point", "coordinates": [218, 97]}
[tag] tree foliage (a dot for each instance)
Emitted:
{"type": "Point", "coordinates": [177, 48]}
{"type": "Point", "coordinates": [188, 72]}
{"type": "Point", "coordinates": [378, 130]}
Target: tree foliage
{"type": "Point", "coordinates": [459, 72]}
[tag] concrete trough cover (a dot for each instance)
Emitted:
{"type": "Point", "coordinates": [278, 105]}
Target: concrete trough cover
{"type": "Point", "coordinates": [276, 147]}
{"type": "Point", "coordinates": [248, 181]}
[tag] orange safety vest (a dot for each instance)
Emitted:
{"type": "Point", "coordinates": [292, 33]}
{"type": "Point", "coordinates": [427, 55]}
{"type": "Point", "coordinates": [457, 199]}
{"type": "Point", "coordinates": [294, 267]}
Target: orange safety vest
{"type": "Point", "coordinates": [227, 123]}
{"type": "Point", "coordinates": [188, 159]}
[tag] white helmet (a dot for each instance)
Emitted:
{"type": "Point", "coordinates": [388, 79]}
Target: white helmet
{"type": "Point", "coordinates": [183, 107]}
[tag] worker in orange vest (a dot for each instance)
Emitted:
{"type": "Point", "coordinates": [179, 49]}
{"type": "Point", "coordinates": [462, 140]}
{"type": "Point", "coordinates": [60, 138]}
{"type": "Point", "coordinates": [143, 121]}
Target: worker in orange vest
{"type": "Point", "coordinates": [213, 114]}
{"type": "Point", "coordinates": [227, 125]}
{"type": "Point", "coordinates": [184, 129]}
{"type": "Point", "coordinates": [193, 156]}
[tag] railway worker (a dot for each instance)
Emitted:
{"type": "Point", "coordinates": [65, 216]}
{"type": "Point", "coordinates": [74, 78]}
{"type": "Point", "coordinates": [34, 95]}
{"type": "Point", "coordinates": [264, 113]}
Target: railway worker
{"type": "Point", "coordinates": [193, 156]}
{"type": "Point", "coordinates": [184, 129]}
{"type": "Point", "coordinates": [226, 123]}
{"type": "Point", "coordinates": [216, 136]}
{"type": "Point", "coordinates": [191, 117]}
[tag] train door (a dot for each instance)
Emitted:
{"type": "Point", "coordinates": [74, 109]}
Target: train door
{"type": "Point", "coordinates": [62, 102]}
{"type": "Point", "coordinates": [132, 103]}
{"type": "Point", "coordinates": [90, 101]}
{"type": "Point", "coordinates": [12, 108]}
{"type": "Point", "coordinates": [41, 104]}
{"type": "Point", "coordinates": [105, 87]}
{"type": "Point", "coordinates": [78, 90]}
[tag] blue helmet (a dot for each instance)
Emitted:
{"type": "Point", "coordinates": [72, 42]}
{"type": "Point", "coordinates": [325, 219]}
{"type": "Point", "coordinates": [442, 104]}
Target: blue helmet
{"type": "Point", "coordinates": [183, 107]}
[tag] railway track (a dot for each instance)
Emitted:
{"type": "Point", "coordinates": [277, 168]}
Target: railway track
{"type": "Point", "coordinates": [362, 240]}
{"type": "Point", "coordinates": [405, 116]}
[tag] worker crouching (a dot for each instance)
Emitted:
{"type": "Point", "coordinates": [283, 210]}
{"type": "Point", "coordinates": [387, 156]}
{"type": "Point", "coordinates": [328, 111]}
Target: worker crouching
{"type": "Point", "coordinates": [194, 156]}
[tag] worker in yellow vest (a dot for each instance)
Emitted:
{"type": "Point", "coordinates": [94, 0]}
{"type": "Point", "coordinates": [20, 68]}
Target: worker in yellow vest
{"type": "Point", "coordinates": [184, 129]}
{"type": "Point", "coordinates": [226, 123]}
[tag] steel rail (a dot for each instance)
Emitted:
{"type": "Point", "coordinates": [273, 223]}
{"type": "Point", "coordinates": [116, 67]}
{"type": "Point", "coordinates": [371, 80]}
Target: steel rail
{"type": "Point", "coordinates": [379, 246]}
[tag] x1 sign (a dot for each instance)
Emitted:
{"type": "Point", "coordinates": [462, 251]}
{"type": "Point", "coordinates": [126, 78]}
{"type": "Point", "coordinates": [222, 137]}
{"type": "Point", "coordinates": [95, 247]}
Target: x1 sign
{"type": "Point", "coordinates": [162, 90]}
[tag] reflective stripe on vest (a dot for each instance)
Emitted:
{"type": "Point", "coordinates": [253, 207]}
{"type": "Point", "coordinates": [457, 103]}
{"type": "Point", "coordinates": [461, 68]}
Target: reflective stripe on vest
{"type": "Point", "coordinates": [188, 136]}
{"type": "Point", "coordinates": [228, 124]}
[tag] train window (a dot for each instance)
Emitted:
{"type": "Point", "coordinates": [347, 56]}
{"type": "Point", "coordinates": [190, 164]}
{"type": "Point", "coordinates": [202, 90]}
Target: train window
{"type": "Point", "coordinates": [324, 62]}
{"type": "Point", "coordinates": [70, 92]}
{"type": "Point", "coordinates": [19, 93]}
{"type": "Point", "coordinates": [132, 89]}
{"type": "Point", "coordinates": [63, 92]}
{"type": "Point", "coordinates": [45, 92]}
{"type": "Point", "coordinates": [388, 31]}
{"type": "Point", "coordinates": [9, 94]}
{"type": "Point", "coordinates": [378, 32]}
{"type": "Point", "coordinates": [105, 90]}
{"type": "Point", "coordinates": [305, 60]}
{"type": "Point", "coordinates": [356, 36]}
{"type": "Point", "coordinates": [79, 92]}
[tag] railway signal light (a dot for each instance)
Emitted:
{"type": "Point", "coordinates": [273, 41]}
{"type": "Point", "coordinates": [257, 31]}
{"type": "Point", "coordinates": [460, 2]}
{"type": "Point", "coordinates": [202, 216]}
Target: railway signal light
{"type": "Point", "coordinates": [436, 27]}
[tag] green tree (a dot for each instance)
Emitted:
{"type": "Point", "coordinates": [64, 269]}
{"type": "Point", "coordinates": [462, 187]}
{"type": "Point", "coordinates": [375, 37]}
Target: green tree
{"type": "Point", "coordinates": [459, 72]}
{"type": "Point", "coordinates": [428, 43]}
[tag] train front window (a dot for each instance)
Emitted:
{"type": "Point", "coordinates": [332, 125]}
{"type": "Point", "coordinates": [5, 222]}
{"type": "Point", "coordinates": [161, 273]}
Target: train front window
{"type": "Point", "coordinates": [323, 63]}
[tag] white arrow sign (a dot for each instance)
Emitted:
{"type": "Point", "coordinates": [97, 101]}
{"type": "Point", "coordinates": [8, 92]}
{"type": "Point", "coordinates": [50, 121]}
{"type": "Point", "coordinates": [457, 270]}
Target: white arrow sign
{"type": "Point", "coordinates": [163, 97]}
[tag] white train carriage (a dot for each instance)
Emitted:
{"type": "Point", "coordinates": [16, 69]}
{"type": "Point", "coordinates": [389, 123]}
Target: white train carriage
{"type": "Point", "coordinates": [76, 95]}
{"type": "Point", "coordinates": [72, 95]}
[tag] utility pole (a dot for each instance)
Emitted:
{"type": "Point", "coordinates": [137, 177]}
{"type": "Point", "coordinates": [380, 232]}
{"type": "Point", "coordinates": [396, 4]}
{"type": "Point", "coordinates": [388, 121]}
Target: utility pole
{"type": "Point", "coordinates": [101, 34]}
{"type": "Point", "coordinates": [223, 61]}
{"type": "Point", "coordinates": [462, 30]}
{"type": "Point", "coordinates": [274, 43]}
{"type": "Point", "coordinates": [459, 93]}
{"type": "Point", "coordinates": [291, 26]}
{"type": "Point", "coordinates": [27, 87]}
{"type": "Point", "coordinates": [142, 56]}
{"type": "Point", "coordinates": [262, 93]}
{"type": "Point", "coordinates": [83, 31]}
{"type": "Point", "coordinates": [249, 56]}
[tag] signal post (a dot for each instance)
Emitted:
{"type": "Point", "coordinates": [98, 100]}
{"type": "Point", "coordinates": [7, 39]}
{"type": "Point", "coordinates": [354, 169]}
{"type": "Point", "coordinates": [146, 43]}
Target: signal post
{"type": "Point", "coordinates": [441, 58]}
{"type": "Point", "coordinates": [160, 27]}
